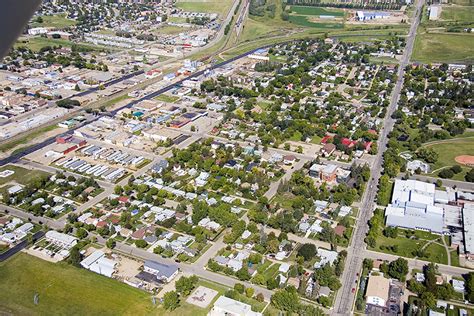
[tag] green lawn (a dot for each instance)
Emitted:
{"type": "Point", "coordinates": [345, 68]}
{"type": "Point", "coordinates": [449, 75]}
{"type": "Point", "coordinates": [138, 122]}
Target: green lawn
{"type": "Point", "coordinates": [407, 246]}
{"type": "Point", "coordinates": [170, 30]}
{"type": "Point", "coordinates": [221, 7]}
{"type": "Point", "coordinates": [449, 150]}
{"type": "Point", "coordinates": [460, 14]}
{"type": "Point", "coordinates": [442, 47]}
{"type": "Point", "coordinates": [21, 175]}
{"type": "Point", "coordinates": [37, 43]}
{"type": "Point", "coordinates": [57, 21]}
{"type": "Point", "coordinates": [316, 11]}
{"type": "Point", "coordinates": [167, 98]}
{"type": "Point", "coordinates": [272, 271]}
{"type": "Point", "coordinates": [302, 20]}
{"type": "Point", "coordinates": [65, 290]}
{"type": "Point", "coordinates": [437, 253]}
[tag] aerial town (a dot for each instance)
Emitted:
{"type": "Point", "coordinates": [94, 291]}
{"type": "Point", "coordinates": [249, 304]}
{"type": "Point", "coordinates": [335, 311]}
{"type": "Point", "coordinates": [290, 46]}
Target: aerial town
{"type": "Point", "coordinates": [238, 157]}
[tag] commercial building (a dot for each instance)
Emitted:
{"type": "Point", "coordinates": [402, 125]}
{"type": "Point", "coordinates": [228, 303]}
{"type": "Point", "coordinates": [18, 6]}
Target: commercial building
{"type": "Point", "coordinates": [377, 291]}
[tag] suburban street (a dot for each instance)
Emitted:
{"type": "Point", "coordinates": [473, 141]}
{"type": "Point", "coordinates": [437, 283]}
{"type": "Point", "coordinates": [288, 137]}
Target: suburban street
{"type": "Point", "coordinates": [345, 298]}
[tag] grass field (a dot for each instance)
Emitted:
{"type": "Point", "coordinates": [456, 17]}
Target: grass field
{"type": "Point", "coordinates": [406, 246]}
{"type": "Point", "coordinates": [221, 7]}
{"type": "Point", "coordinates": [170, 30]}
{"type": "Point", "coordinates": [449, 150]}
{"type": "Point", "coordinates": [316, 11]}
{"type": "Point", "coordinates": [440, 47]}
{"type": "Point", "coordinates": [57, 21]}
{"type": "Point", "coordinates": [167, 98]}
{"type": "Point", "coordinates": [65, 290]}
{"type": "Point", "coordinates": [302, 20]}
{"type": "Point", "coordinates": [37, 43]}
{"type": "Point", "coordinates": [463, 2]}
{"type": "Point", "coordinates": [21, 175]}
{"type": "Point", "coordinates": [460, 14]}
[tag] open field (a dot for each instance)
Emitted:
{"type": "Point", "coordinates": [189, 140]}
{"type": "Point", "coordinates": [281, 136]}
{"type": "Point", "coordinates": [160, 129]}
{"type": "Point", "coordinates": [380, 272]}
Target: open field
{"type": "Point", "coordinates": [36, 43]}
{"type": "Point", "coordinates": [316, 11]}
{"type": "Point", "coordinates": [460, 14]}
{"type": "Point", "coordinates": [21, 175]}
{"type": "Point", "coordinates": [406, 247]}
{"type": "Point", "coordinates": [57, 21]}
{"type": "Point", "coordinates": [441, 47]}
{"type": "Point", "coordinates": [209, 6]}
{"type": "Point", "coordinates": [65, 290]}
{"type": "Point", "coordinates": [449, 150]}
{"type": "Point", "coordinates": [170, 30]}
{"type": "Point", "coordinates": [463, 2]}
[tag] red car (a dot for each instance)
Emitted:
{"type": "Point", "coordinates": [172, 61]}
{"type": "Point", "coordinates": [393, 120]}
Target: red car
{"type": "Point", "coordinates": [353, 290]}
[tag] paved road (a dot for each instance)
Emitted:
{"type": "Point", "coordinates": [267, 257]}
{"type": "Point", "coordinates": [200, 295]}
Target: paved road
{"type": "Point", "coordinates": [416, 263]}
{"type": "Point", "coordinates": [195, 268]}
{"type": "Point", "coordinates": [446, 182]}
{"type": "Point", "coordinates": [345, 298]}
{"type": "Point", "coordinates": [286, 177]}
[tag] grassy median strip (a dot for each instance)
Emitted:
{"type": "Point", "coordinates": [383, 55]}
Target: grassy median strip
{"type": "Point", "coordinates": [27, 138]}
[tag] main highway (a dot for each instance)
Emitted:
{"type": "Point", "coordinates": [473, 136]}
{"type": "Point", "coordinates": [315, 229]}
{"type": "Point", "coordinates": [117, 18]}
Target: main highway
{"type": "Point", "coordinates": [345, 298]}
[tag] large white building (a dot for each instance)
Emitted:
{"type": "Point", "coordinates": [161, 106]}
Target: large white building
{"type": "Point", "coordinates": [230, 307]}
{"type": "Point", "coordinates": [60, 239]}
{"type": "Point", "coordinates": [413, 207]}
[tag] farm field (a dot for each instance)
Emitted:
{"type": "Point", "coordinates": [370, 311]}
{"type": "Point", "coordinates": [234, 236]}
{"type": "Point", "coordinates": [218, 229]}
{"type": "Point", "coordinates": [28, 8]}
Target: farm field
{"type": "Point", "coordinates": [66, 290]}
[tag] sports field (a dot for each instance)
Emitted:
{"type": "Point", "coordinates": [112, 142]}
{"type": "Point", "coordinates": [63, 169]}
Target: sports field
{"type": "Point", "coordinates": [65, 290]}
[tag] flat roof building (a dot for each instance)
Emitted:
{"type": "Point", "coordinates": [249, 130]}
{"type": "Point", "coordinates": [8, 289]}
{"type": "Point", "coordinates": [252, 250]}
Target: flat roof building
{"type": "Point", "coordinates": [377, 291]}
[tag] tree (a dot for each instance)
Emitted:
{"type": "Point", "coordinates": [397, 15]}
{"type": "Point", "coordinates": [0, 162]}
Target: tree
{"type": "Point", "coordinates": [185, 285]}
{"type": "Point", "coordinates": [171, 300]}
{"type": "Point", "coordinates": [239, 287]}
{"type": "Point", "coordinates": [470, 286]}
{"type": "Point", "coordinates": [286, 300]}
{"type": "Point", "coordinates": [140, 243]}
{"type": "Point", "coordinates": [398, 269]}
{"type": "Point", "coordinates": [470, 176]}
{"type": "Point", "coordinates": [249, 292]}
{"type": "Point", "coordinates": [428, 300]}
{"type": "Point", "coordinates": [243, 274]}
{"type": "Point", "coordinates": [260, 297]}
{"type": "Point", "coordinates": [75, 257]}
{"type": "Point", "coordinates": [81, 233]}
{"type": "Point", "coordinates": [446, 174]}
{"type": "Point", "coordinates": [110, 243]}
{"type": "Point", "coordinates": [307, 251]}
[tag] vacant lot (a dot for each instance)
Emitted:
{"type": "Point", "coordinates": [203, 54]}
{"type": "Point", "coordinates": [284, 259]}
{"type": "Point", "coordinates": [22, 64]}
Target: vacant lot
{"type": "Point", "coordinates": [65, 290]}
{"type": "Point", "coordinates": [21, 175]}
{"type": "Point", "coordinates": [37, 43]}
{"type": "Point", "coordinates": [441, 47]}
